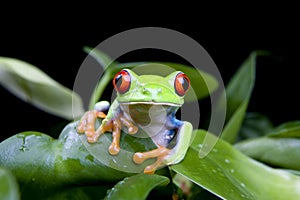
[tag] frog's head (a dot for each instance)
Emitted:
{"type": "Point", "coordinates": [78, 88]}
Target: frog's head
{"type": "Point", "coordinates": [151, 89]}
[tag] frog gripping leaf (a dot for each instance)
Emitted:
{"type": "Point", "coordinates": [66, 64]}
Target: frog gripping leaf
{"type": "Point", "coordinates": [148, 103]}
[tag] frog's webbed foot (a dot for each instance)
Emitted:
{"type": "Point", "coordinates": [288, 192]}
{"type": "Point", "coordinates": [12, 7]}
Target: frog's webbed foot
{"type": "Point", "coordinates": [160, 153]}
{"type": "Point", "coordinates": [86, 125]}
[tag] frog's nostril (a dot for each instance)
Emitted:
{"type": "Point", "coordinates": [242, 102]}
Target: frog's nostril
{"type": "Point", "coordinates": [145, 90]}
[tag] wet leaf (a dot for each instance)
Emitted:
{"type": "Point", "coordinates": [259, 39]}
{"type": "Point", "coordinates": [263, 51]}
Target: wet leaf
{"type": "Point", "coordinates": [44, 165]}
{"type": "Point", "coordinates": [136, 187]}
{"type": "Point", "coordinates": [35, 87]}
{"type": "Point", "coordinates": [229, 174]}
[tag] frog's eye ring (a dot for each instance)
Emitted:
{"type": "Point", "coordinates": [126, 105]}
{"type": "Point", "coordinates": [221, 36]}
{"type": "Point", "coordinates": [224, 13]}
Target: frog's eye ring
{"type": "Point", "coordinates": [122, 81]}
{"type": "Point", "coordinates": [181, 84]}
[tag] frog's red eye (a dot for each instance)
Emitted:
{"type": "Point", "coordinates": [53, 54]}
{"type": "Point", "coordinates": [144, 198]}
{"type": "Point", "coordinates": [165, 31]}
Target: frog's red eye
{"type": "Point", "coordinates": [122, 81]}
{"type": "Point", "coordinates": [181, 84]}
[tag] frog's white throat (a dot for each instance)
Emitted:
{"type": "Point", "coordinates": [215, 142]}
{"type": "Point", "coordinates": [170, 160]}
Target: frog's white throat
{"type": "Point", "coordinates": [152, 118]}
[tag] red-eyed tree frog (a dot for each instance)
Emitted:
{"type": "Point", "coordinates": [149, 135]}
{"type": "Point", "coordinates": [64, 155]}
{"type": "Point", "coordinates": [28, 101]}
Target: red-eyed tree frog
{"type": "Point", "coordinates": [147, 102]}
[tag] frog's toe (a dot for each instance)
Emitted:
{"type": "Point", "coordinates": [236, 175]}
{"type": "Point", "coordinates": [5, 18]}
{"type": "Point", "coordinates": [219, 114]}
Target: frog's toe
{"type": "Point", "coordinates": [132, 130]}
{"type": "Point", "coordinates": [80, 128]}
{"type": "Point", "coordinates": [114, 149]}
{"type": "Point", "coordinates": [149, 169]}
{"type": "Point", "coordinates": [92, 136]}
{"type": "Point", "coordinates": [139, 158]}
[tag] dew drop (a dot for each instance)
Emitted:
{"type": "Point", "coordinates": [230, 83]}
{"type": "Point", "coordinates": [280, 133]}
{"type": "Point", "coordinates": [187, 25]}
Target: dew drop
{"type": "Point", "coordinates": [215, 150]}
{"type": "Point", "coordinates": [243, 185]}
{"type": "Point", "coordinates": [33, 179]}
{"type": "Point", "coordinates": [232, 171]}
{"type": "Point", "coordinates": [227, 161]}
{"type": "Point", "coordinates": [214, 171]}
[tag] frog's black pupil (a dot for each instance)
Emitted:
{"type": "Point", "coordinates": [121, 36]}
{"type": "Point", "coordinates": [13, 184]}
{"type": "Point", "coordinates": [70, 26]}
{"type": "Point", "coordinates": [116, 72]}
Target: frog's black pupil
{"type": "Point", "coordinates": [185, 84]}
{"type": "Point", "coordinates": [119, 80]}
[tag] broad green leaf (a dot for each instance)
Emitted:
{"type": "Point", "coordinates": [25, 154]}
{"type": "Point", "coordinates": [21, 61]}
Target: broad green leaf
{"type": "Point", "coordinates": [238, 93]}
{"type": "Point", "coordinates": [229, 174]}
{"type": "Point", "coordinates": [136, 187]}
{"type": "Point", "coordinates": [8, 185]}
{"type": "Point", "coordinates": [255, 125]}
{"type": "Point", "coordinates": [35, 87]}
{"type": "Point", "coordinates": [281, 152]}
{"type": "Point", "coordinates": [286, 130]}
{"type": "Point", "coordinates": [44, 165]}
{"type": "Point", "coordinates": [80, 192]}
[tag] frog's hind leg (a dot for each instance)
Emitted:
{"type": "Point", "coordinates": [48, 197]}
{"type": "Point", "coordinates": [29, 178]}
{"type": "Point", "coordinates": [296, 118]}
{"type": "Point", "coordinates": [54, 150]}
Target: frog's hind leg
{"type": "Point", "coordinates": [160, 153]}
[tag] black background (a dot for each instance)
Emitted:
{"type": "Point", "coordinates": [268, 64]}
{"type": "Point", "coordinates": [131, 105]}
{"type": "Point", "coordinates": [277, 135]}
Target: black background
{"type": "Point", "coordinates": [53, 40]}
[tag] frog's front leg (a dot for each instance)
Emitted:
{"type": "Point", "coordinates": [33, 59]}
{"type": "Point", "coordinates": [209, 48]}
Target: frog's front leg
{"type": "Point", "coordinates": [113, 123]}
{"type": "Point", "coordinates": [87, 125]}
{"type": "Point", "coordinates": [167, 156]}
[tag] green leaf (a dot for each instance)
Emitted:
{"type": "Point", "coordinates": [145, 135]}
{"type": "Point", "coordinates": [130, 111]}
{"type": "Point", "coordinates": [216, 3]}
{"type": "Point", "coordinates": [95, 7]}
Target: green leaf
{"type": "Point", "coordinates": [286, 130]}
{"type": "Point", "coordinates": [103, 59]}
{"type": "Point", "coordinates": [81, 192]}
{"type": "Point", "coordinates": [229, 174]}
{"type": "Point", "coordinates": [238, 93]}
{"type": "Point", "coordinates": [44, 165]}
{"type": "Point", "coordinates": [8, 185]}
{"type": "Point", "coordinates": [281, 152]}
{"type": "Point", "coordinates": [255, 125]}
{"type": "Point", "coordinates": [280, 147]}
{"type": "Point", "coordinates": [35, 87]}
{"type": "Point", "coordinates": [136, 187]}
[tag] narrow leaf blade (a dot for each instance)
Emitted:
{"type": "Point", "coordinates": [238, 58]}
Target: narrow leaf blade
{"type": "Point", "coordinates": [35, 87]}
{"type": "Point", "coordinates": [238, 93]}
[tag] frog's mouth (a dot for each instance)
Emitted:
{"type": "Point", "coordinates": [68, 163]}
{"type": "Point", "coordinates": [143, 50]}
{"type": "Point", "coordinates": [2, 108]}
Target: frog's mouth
{"type": "Point", "coordinates": [144, 113]}
{"type": "Point", "coordinates": [151, 103]}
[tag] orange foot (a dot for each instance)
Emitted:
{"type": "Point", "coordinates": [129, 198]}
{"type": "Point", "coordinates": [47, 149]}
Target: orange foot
{"type": "Point", "coordinates": [160, 153]}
